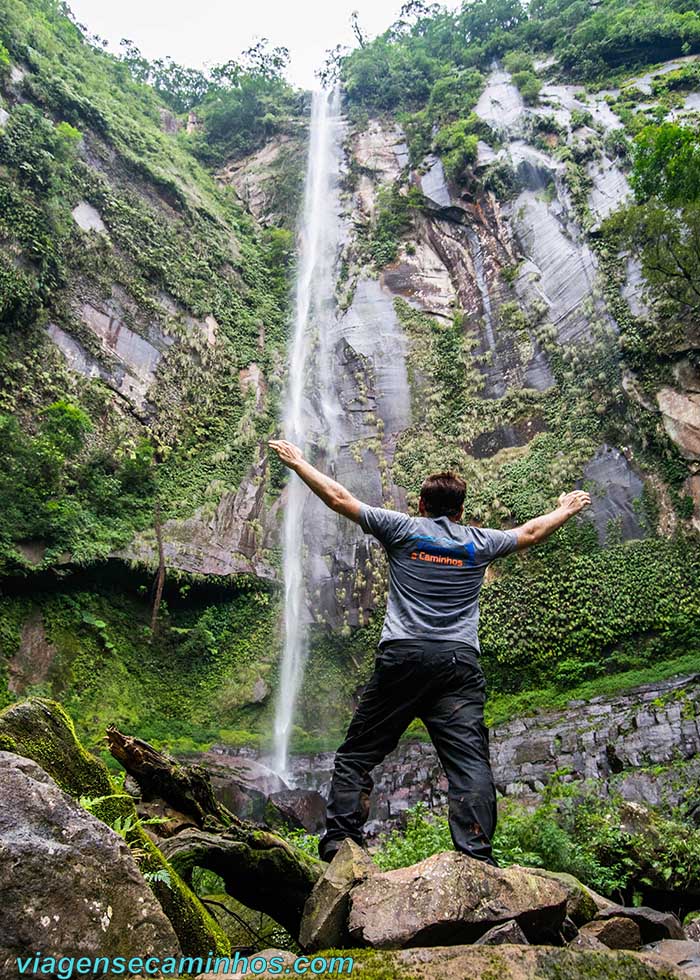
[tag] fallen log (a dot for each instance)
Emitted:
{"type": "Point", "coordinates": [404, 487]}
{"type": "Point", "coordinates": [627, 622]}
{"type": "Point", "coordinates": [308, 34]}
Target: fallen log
{"type": "Point", "coordinates": [258, 868]}
{"type": "Point", "coordinates": [185, 788]}
{"type": "Point", "coordinates": [262, 871]}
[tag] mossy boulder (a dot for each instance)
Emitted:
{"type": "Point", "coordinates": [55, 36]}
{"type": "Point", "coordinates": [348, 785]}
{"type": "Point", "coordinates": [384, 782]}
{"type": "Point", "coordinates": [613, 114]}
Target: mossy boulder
{"type": "Point", "coordinates": [196, 929]}
{"type": "Point", "coordinates": [582, 904]}
{"type": "Point", "coordinates": [41, 730]}
{"type": "Point", "coordinates": [478, 963]}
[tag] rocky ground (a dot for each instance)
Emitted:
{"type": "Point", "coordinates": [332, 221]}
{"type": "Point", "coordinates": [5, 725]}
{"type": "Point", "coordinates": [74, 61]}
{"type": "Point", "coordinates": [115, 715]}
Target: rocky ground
{"type": "Point", "coordinates": [85, 875]}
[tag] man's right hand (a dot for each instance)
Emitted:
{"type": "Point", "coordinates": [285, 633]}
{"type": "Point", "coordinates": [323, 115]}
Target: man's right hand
{"type": "Point", "coordinates": [574, 502]}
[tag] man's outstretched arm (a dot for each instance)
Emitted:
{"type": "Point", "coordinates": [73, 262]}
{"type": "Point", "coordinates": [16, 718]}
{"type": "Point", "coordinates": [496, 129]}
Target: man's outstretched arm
{"type": "Point", "coordinates": [540, 528]}
{"type": "Point", "coordinates": [333, 494]}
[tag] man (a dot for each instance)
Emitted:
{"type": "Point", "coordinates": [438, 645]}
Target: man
{"type": "Point", "coordinates": [427, 663]}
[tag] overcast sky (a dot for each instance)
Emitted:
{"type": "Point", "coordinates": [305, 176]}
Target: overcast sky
{"type": "Point", "coordinates": [201, 32]}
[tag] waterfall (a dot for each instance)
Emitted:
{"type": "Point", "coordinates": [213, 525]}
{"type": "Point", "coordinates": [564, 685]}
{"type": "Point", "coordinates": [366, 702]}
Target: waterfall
{"type": "Point", "coordinates": [309, 405]}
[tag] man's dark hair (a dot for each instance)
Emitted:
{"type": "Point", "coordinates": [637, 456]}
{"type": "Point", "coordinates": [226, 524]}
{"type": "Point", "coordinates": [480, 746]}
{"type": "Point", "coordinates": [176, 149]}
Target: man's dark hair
{"type": "Point", "coordinates": [443, 494]}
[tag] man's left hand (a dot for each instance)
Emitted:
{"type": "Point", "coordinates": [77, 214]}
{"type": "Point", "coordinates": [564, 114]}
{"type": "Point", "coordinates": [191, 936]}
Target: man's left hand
{"type": "Point", "coordinates": [290, 454]}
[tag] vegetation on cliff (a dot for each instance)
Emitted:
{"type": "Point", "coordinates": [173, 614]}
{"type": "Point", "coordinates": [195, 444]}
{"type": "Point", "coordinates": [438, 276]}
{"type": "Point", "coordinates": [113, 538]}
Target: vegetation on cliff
{"type": "Point", "coordinates": [174, 262]}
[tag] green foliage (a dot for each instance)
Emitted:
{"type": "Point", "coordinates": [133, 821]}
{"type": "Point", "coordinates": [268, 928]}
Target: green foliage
{"type": "Point", "coordinates": [666, 164]}
{"type": "Point", "coordinates": [40, 153]}
{"type": "Point", "coordinates": [618, 34]}
{"type": "Point", "coordinates": [558, 611]}
{"type": "Point", "coordinates": [456, 144]}
{"type": "Point", "coordinates": [399, 69]}
{"type": "Point", "coordinates": [55, 493]}
{"type": "Point", "coordinates": [666, 241]}
{"type": "Point", "coordinates": [394, 216]}
{"type": "Point", "coordinates": [4, 60]}
{"type": "Point", "coordinates": [422, 837]}
{"type": "Point", "coordinates": [199, 670]}
{"type": "Point", "coordinates": [242, 109]}
{"type": "Point", "coordinates": [572, 830]}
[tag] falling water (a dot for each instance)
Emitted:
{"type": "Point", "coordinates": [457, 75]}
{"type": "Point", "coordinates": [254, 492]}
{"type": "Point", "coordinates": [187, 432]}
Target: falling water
{"type": "Point", "coordinates": [308, 366]}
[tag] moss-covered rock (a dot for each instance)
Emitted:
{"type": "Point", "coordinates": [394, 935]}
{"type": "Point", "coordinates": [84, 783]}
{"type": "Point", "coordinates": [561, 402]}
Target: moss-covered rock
{"type": "Point", "coordinates": [478, 963]}
{"type": "Point", "coordinates": [40, 729]}
{"type": "Point", "coordinates": [582, 904]}
{"type": "Point", "coordinates": [196, 929]}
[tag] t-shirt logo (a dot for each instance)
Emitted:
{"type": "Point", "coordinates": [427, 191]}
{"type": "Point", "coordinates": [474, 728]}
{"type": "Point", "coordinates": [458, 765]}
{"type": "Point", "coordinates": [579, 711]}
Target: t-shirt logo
{"type": "Point", "coordinates": [442, 551]}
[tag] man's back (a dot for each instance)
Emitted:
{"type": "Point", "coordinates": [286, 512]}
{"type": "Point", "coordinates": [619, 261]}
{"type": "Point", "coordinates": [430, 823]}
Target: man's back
{"type": "Point", "coordinates": [436, 569]}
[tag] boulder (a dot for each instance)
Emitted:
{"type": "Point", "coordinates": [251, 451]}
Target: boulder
{"type": "Point", "coordinates": [301, 808]}
{"type": "Point", "coordinates": [653, 925]}
{"type": "Point", "coordinates": [474, 962]}
{"type": "Point", "coordinates": [585, 940]}
{"type": "Point", "coordinates": [681, 952]}
{"type": "Point", "coordinates": [324, 922]}
{"type": "Point", "coordinates": [451, 898]}
{"type": "Point", "coordinates": [582, 904]}
{"type": "Point", "coordinates": [509, 932]}
{"type": "Point", "coordinates": [617, 932]}
{"type": "Point", "coordinates": [40, 729]}
{"type": "Point", "coordinates": [71, 886]}
{"type": "Point", "coordinates": [691, 926]}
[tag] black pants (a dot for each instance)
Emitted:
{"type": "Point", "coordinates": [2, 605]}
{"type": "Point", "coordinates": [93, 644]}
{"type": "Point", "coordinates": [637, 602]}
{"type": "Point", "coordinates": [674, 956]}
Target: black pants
{"type": "Point", "coordinates": [441, 683]}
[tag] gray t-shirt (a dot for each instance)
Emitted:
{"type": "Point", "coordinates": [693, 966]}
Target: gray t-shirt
{"type": "Point", "coordinates": [436, 568]}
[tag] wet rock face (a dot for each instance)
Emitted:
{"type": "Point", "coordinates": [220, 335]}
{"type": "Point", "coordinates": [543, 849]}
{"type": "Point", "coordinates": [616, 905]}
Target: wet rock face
{"type": "Point", "coordinates": [75, 887]}
{"type": "Point", "coordinates": [681, 418]}
{"type": "Point", "coordinates": [616, 491]}
{"type": "Point", "coordinates": [610, 738]}
{"type": "Point", "coordinates": [229, 542]}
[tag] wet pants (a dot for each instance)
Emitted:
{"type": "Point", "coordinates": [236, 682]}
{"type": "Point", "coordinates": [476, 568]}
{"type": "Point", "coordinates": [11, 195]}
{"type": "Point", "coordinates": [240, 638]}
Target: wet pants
{"type": "Point", "coordinates": [442, 683]}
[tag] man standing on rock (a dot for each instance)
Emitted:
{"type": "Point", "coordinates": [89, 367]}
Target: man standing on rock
{"type": "Point", "coordinates": [427, 663]}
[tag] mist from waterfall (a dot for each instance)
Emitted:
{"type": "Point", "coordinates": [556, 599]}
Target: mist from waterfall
{"type": "Point", "coordinates": [308, 405]}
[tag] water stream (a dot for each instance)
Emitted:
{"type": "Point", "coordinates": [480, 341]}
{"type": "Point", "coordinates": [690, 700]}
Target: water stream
{"type": "Point", "coordinates": [310, 409]}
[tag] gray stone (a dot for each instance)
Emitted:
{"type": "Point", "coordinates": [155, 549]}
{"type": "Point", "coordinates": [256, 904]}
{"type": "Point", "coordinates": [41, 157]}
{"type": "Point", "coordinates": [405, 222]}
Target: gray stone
{"type": "Point", "coordinates": [654, 925]}
{"type": "Point", "coordinates": [508, 932]}
{"type": "Point", "coordinates": [302, 808]}
{"type": "Point", "coordinates": [451, 898]}
{"type": "Point", "coordinates": [87, 217]}
{"type": "Point", "coordinates": [616, 493]}
{"type": "Point", "coordinates": [71, 885]}
{"type": "Point", "coordinates": [681, 953]}
{"type": "Point", "coordinates": [325, 920]}
{"type": "Point", "coordinates": [691, 927]}
{"type": "Point", "coordinates": [586, 940]}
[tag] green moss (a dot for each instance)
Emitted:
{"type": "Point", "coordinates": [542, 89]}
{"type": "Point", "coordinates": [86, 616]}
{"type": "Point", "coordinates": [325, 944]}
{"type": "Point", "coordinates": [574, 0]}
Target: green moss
{"type": "Point", "coordinates": [196, 929]}
{"type": "Point", "coordinates": [40, 729]}
{"type": "Point", "coordinates": [571, 965]}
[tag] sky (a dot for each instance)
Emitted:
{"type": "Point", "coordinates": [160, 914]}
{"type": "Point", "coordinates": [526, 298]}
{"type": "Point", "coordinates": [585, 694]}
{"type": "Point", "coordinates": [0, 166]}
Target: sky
{"type": "Point", "coordinates": [198, 33]}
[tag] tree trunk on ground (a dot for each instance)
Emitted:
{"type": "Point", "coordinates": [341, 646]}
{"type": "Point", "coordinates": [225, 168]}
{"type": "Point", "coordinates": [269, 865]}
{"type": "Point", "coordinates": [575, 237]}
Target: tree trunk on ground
{"type": "Point", "coordinates": [259, 869]}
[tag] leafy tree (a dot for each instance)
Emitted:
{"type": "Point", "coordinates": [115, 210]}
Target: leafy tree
{"type": "Point", "coordinates": [662, 229]}
{"type": "Point", "coordinates": [666, 164]}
